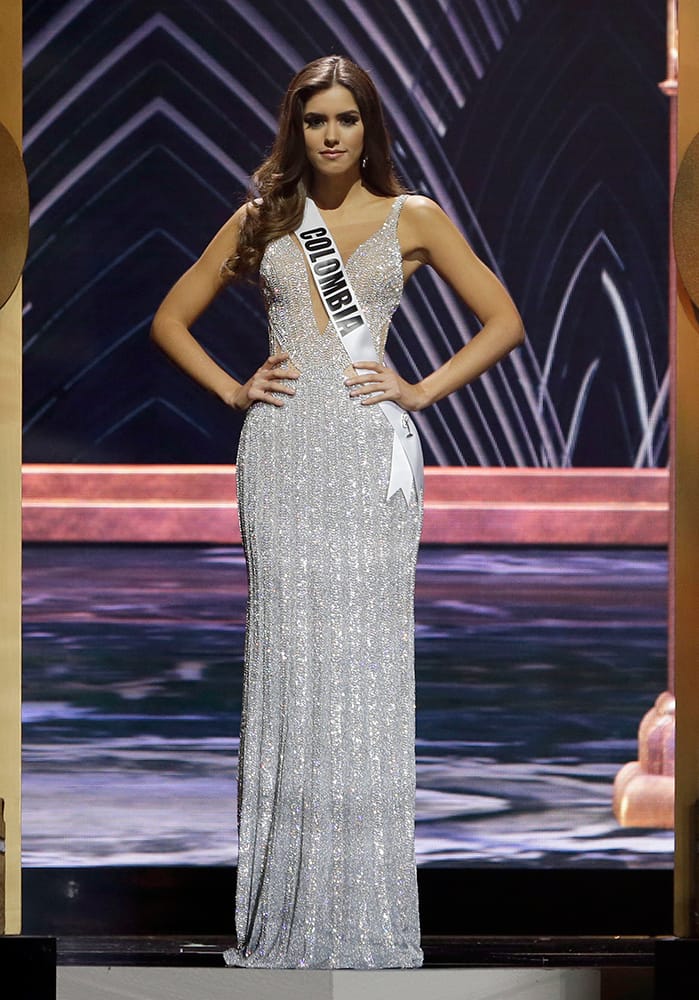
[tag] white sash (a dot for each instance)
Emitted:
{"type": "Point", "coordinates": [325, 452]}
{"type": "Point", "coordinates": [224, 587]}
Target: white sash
{"type": "Point", "coordinates": [337, 295]}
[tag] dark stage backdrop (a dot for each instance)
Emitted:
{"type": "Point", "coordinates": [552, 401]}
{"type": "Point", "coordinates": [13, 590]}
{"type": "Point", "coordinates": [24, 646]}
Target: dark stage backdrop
{"type": "Point", "coordinates": [537, 124]}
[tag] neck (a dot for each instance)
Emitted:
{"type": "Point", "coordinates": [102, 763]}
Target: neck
{"type": "Point", "coordinates": [331, 192]}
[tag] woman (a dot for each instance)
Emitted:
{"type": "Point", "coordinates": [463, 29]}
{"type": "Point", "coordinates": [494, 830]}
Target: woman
{"type": "Point", "coordinates": [330, 499]}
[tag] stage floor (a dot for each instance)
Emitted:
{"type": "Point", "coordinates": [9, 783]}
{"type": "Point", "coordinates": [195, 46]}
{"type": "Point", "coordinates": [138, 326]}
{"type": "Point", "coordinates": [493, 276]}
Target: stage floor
{"type": "Point", "coordinates": [480, 968]}
{"type": "Point", "coordinates": [451, 951]}
{"type": "Point", "coordinates": [523, 968]}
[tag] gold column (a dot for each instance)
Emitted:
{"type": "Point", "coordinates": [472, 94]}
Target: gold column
{"type": "Point", "coordinates": [644, 789]}
{"type": "Point", "coordinates": [10, 499]}
{"type": "Point", "coordinates": [686, 520]}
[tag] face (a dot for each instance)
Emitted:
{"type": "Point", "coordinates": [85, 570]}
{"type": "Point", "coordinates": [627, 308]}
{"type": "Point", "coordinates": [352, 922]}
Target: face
{"type": "Point", "coordinates": [333, 131]}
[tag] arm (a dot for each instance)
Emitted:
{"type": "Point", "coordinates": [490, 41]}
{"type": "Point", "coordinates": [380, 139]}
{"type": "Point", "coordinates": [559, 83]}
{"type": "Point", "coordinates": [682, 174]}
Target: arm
{"type": "Point", "coordinates": [182, 306]}
{"type": "Point", "coordinates": [430, 237]}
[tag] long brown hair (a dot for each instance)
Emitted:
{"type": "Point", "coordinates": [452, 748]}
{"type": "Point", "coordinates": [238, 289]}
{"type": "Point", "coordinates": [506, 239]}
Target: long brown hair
{"type": "Point", "coordinates": [280, 184]}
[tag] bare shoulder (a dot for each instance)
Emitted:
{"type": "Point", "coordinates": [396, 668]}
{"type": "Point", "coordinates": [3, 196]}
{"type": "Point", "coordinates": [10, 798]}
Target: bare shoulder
{"type": "Point", "coordinates": [421, 211]}
{"type": "Point", "coordinates": [423, 225]}
{"type": "Point", "coordinates": [226, 238]}
{"type": "Point", "coordinates": [235, 221]}
{"type": "Point", "coordinates": [249, 208]}
{"type": "Point", "coordinates": [423, 219]}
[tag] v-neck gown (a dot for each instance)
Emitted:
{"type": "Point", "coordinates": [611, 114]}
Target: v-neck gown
{"type": "Point", "coordinates": [326, 796]}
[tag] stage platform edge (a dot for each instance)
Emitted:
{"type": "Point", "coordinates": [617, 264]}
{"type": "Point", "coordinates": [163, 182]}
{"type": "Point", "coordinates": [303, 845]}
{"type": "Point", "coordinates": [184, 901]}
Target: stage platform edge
{"type": "Point", "coordinates": [124, 983]}
{"type": "Point", "coordinates": [480, 968]}
{"type": "Point", "coordinates": [141, 967]}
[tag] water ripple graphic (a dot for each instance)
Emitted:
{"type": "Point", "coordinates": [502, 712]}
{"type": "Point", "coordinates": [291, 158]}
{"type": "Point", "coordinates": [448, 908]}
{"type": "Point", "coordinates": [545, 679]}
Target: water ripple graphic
{"type": "Point", "coordinates": [534, 668]}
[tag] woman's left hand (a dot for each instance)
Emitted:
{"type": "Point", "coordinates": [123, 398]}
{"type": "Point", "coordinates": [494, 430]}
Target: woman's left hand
{"type": "Point", "coordinates": [379, 384]}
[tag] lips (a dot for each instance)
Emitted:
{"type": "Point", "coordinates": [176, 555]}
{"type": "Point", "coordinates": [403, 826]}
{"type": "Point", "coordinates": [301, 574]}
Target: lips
{"type": "Point", "coordinates": [332, 154]}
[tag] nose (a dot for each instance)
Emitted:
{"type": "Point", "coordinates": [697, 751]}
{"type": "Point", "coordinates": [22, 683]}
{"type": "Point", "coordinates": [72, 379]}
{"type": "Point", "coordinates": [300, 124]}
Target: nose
{"type": "Point", "coordinates": [331, 138]}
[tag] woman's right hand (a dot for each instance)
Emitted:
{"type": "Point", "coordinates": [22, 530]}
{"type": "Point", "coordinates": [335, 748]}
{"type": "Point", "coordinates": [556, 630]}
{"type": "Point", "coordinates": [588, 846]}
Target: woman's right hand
{"type": "Point", "coordinates": [266, 381]}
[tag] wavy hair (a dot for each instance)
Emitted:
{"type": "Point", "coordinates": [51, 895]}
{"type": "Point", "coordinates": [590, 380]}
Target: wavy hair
{"type": "Point", "coordinates": [279, 185]}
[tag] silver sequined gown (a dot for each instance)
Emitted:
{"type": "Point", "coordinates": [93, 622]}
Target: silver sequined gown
{"type": "Point", "coordinates": [326, 871]}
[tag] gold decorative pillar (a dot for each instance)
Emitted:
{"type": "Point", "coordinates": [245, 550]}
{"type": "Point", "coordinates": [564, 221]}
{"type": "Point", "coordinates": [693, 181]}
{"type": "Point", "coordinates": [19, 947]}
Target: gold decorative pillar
{"type": "Point", "coordinates": [10, 486]}
{"type": "Point", "coordinates": [644, 790]}
{"type": "Point", "coordinates": [686, 494]}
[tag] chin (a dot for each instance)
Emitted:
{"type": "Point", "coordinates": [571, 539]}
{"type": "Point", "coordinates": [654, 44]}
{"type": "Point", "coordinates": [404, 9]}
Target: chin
{"type": "Point", "coordinates": [340, 166]}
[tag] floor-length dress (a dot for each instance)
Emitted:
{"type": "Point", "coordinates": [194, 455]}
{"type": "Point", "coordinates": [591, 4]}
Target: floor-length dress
{"type": "Point", "coordinates": [326, 806]}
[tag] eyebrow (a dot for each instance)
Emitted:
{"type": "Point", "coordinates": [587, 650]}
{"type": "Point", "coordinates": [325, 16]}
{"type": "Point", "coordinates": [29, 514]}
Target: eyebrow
{"type": "Point", "coordinates": [321, 114]}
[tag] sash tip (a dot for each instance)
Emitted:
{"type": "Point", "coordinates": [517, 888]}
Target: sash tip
{"type": "Point", "coordinates": [407, 494]}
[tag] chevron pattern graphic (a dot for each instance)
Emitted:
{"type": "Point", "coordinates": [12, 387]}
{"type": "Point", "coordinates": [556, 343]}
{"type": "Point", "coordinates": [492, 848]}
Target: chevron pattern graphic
{"type": "Point", "coordinates": [537, 124]}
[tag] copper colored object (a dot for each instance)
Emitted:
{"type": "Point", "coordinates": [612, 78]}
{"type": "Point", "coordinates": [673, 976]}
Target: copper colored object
{"type": "Point", "coordinates": [685, 220]}
{"type": "Point", "coordinates": [463, 505]}
{"type": "Point", "coordinates": [644, 790]}
{"type": "Point", "coordinates": [14, 215]}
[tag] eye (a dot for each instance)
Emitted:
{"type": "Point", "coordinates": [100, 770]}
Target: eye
{"type": "Point", "coordinates": [349, 120]}
{"type": "Point", "coordinates": [313, 121]}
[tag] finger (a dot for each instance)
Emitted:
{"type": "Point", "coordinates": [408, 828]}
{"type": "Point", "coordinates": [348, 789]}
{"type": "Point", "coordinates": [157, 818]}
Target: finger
{"type": "Point", "coordinates": [260, 396]}
{"type": "Point", "coordinates": [275, 359]}
{"type": "Point", "coordinates": [361, 379]}
{"type": "Point", "coordinates": [364, 390]}
{"type": "Point", "coordinates": [378, 397]}
{"type": "Point", "coordinates": [267, 386]}
{"type": "Point", "coordinates": [375, 366]}
{"type": "Point", "coordinates": [282, 373]}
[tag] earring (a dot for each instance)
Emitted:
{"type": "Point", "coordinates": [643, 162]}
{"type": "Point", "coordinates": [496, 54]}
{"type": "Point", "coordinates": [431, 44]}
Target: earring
{"type": "Point", "coordinates": [365, 161]}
